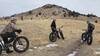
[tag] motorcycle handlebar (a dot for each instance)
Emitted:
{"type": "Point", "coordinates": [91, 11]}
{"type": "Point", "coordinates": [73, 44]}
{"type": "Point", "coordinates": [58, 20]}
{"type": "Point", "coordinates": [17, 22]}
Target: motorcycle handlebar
{"type": "Point", "coordinates": [18, 31]}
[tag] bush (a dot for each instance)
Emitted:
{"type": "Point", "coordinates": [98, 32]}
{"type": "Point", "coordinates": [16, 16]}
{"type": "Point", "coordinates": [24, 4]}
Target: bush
{"type": "Point", "coordinates": [91, 15]}
{"type": "Point", "coordinates": [54, 13]}
{"type": "Point", "coordinates": [7, 17]}
{"type": "Point", "coordinates": [36, 15]}
{"type": "Point", "coordinates": [64, 14]}
{"type": "Point", "coordinates": [21, 17]}
{"type": "Point", "coordinates": [40, 13]}
{"type": "Point", "coordinates": [96, 21]}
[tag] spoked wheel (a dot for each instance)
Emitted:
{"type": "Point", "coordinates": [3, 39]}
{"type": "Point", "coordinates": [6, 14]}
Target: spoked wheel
{"type": "Point", "coordinates": [83, 37]}
{"type": "Point", "coordinates": [53, 37]}
{"type": "Point", "coordinates": [0, 49]}
{"type": "Point", "coordinates": [21, 44]}
{"type": "Point", "coordinates": [89, 40]}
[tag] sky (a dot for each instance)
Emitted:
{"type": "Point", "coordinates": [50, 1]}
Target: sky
{"type": "Point", "coordinates": [10, 7]}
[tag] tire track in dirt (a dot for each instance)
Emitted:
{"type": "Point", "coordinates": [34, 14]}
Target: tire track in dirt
{"type": "Point", "coordinates": [76, 47]}
{"type": "Point", "coordinates": [85, 50]}
{"type": "Point", "coordinates": [82, 50]}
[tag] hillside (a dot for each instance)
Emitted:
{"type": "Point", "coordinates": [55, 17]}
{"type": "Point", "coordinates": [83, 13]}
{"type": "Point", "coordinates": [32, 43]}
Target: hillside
{"type": "Point", "coordinates": [49, 11]}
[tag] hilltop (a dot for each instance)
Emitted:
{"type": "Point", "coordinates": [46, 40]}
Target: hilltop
{"type": "Point", "coordinates": [49, 11]}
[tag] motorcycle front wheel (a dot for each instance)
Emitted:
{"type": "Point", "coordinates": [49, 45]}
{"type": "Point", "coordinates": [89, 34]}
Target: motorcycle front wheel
{"type": "Point", "coordinates": [89, 40]}
{"type": "Point", "coordinates": [52, 37]}
{"type": "Point", "coordinates": [21, 44]}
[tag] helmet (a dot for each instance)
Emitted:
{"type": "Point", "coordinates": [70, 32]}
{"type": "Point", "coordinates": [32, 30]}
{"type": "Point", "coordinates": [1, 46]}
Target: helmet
{"type": "Point", "coordinates": [13, 19]}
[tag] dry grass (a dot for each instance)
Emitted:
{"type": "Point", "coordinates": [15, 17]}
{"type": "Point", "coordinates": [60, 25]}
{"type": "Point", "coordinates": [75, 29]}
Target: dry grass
{"type": "Point", "coordinates": [38, 30]}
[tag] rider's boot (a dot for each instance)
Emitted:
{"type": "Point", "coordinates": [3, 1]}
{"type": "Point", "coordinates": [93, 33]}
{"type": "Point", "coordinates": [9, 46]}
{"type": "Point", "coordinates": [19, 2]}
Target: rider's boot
{"type": "Point", "coordinates": [82, 41]}
{"type": "Point", "coordinates": [9, 51]}
{"type": "Point", "coordinates": [63, 38]}
{"type": "Point", "coordinates": [58, 36]}
{"type": "Point", "coordinates": [62, 35]}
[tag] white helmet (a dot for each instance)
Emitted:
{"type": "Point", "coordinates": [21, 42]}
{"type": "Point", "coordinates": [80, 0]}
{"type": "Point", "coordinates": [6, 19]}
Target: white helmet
{"type": "Point", "coordinates": [90, 20]}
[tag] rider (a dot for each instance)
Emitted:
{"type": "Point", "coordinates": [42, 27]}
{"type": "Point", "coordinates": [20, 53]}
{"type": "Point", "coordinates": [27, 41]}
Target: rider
{"type": "Point", "coordinates": [91, 27]}
{"type": "Point", "coordinates": [53, 27]}
{"type": "Point", "coordinates": [9, 32]}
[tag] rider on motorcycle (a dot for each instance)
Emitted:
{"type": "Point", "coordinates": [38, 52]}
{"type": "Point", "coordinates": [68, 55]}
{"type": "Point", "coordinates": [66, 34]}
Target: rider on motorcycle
{"type": "Point", "coordinates": [9, 32]}
{"type": "Point", "coordinates": [54, 28]}
{"type": "Point", "coordinates": [90, 28]}
{"type": "Point", "coordinates": [53, 25]}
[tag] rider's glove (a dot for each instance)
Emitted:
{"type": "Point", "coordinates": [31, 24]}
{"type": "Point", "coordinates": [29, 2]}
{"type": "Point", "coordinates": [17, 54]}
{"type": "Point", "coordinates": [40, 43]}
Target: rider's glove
{"type": "Point", "coordinates": [18, 31]}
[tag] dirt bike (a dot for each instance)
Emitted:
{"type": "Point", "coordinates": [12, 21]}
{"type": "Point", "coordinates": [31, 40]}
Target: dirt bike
{"type": "Point", "coordinates": [57, 34]}
{"type": "Point", "coordinates": [86, 37]}
{"type": "Point", "coordinates": [19, 44]}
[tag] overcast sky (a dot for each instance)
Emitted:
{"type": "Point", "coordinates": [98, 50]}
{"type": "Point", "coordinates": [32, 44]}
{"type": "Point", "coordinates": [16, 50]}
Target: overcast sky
{"type": "Point", "coordinates": [10, 7]}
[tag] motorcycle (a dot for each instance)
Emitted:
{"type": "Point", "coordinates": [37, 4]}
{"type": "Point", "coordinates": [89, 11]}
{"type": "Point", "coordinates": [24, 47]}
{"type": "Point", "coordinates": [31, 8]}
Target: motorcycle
{"type": "Point", "coordinates": [19, 44]}
{"type": "Point", "coordinates": [57, 34]}
{"type": "Point", "coordinates": [86, 37]}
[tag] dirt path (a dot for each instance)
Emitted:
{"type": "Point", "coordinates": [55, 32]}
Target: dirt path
{"type": "Point", "coordinates": [59, 48]}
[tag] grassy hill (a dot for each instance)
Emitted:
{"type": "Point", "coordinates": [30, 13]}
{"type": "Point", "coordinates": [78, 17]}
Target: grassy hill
{"type": "Point", "coordinates": [49, 11]}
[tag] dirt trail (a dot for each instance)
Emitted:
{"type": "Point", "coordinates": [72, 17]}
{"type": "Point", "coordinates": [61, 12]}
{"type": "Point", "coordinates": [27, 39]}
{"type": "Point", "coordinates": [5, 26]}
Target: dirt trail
{"type": "Point", "coordinates": [85, 50]}
{"type": "Point", "coordinates": [61, 48]}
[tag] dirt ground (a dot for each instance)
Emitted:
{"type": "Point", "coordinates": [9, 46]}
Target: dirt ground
{"type": "Point", "coordinates": [37, 31]}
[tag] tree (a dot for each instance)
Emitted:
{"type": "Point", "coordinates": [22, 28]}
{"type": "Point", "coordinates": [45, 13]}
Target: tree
{"type": "Point", "coordinates": [92, 15]}
{"type": "Point", "coordinates": [7, 17]}
{"type": "Point", "coordinates": [30, 12]}
{"type": "Point", "coordinates": [13, 15]}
